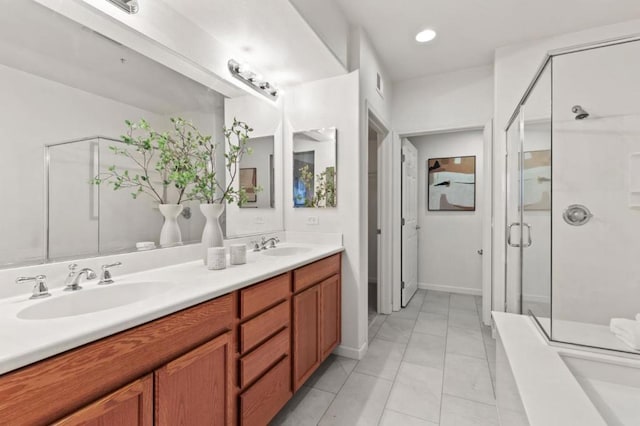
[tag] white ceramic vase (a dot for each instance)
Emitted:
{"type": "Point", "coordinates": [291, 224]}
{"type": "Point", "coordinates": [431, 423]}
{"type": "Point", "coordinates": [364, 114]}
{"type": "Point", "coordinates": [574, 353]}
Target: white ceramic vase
{"type": "Point", "coordinates": [170, 234]}
{"type": "Point", "coordinates": [212, 233]}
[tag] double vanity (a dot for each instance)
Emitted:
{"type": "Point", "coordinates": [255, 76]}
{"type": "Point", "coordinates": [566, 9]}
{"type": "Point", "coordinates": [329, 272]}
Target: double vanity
{"type": "Point", "coordinates": [173, 345]}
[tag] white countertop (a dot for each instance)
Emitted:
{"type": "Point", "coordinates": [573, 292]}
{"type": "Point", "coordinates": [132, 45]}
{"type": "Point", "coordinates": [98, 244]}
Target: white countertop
{"type": "Point", "coordinates": [23, 342]}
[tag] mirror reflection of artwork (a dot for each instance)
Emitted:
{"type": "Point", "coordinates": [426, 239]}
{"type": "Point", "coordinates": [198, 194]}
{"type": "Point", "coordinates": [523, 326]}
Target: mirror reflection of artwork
{"type": "Point", "coordinates": [248, 182]}
{"type": "Point", "coordinates": [314, 168]}
{"type": "Point", "coordinates": [537, 180]}
{"type": "Point", "coordinates": [451, 184]}
{"type": "Point", "coordinates": [257, 174]}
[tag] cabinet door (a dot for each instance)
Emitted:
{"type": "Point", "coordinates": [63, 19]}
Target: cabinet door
{"type": "Point", "coordinates": [195, 389]}
{"type": "Point", "coordinates": [131, 405]}
{"type": "Point", "coordinates": [306, 338]}
{"type": "Point", "coordinates": [329, 315]}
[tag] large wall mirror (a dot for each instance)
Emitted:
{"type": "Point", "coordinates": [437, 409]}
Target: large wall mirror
{"type": "Point", "coordinates": [66, 93]}
{"type": "Point", "coordinates": [314, 168]}
{"type": "Point", "coordinates": [260, 170]}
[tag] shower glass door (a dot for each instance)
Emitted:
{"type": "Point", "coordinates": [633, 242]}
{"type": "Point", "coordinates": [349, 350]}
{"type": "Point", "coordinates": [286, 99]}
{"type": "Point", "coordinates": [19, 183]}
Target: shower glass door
{"type": "Point", "coordinates": [535, 202]}
{"type": "Point", "coordinates": [513, 267]}
{"type": "Point", "coordinates": [528, 170]}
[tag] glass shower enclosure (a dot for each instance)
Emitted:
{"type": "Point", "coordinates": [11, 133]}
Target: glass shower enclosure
{"type": "Point", "coordinates": [573, 195]}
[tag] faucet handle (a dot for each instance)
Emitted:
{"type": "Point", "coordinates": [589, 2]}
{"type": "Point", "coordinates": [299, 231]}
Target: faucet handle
{"type": "Point", "coordinates": [105, 276]}
{"type": "Point", "coordinates": [73, 266]}
{"type": "Point", "coordinates": [40, 287]}
{"type": "Point", "coordinates": [256, 245]}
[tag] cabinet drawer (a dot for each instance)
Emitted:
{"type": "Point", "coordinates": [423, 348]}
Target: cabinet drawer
{"type": "Point", "coordinates": [262, 401]}
{"type": "Point", "coordinates": [261, 296]}
{"type": "Point", "coordinates": [267, 354]}
{"type": "Point", "coordinates": [312, 274]}
{"type": "Point", "coordinates": [260, 328]}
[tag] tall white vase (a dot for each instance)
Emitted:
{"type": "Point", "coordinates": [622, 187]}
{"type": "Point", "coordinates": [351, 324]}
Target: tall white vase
{"type": "Point", "coordinates": [170, 234]}
{"type": "Point", "coordinates": [212, 233]}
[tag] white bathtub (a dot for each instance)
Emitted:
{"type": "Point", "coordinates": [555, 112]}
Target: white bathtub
{"type": "Point", "coordinates": [612, 385]}
{"type": "Point", "coordinates": [538, 384]}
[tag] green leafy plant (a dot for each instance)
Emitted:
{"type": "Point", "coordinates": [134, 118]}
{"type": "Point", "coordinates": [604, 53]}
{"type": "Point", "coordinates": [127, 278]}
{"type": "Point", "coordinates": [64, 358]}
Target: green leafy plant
{"type": "Point", "coordinates": [207, 188]}
{"type": "Point", "coordinates": [163, 160]}
{"type": "Point", "coordinates": [325, 190]}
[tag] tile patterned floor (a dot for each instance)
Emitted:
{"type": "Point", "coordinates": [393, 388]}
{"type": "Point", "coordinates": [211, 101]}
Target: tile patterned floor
{"type": "Point", "coordinates": [432, 363]}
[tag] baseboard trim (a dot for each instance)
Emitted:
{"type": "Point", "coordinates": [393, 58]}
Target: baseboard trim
{"type": "Point", "coordinates": [451, 289]}
{"type": "Point", "coordinates": [350, 352]}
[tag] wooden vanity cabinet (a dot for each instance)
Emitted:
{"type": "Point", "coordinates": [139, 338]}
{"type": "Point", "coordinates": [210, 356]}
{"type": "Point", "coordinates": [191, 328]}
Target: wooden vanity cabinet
{"type": "Point", "coordinates": [316, 316]}
{"type": "Point", "coordinates": [65, 385]}
{"type": "Point", "coordinates": [131, 405]}
{"type": "Point", "coordinates": [195, 389]}
{"type": "Point", "coordinates": [234, 360]}
{"type": "Point", "coordinates": [264, 352]}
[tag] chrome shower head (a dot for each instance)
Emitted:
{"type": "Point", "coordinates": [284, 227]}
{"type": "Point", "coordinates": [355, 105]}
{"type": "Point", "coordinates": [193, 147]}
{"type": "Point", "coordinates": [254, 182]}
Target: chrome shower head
{"type": "Point", "coordinates": [580, 113]}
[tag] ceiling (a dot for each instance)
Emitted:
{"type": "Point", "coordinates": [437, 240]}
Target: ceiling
{"type": "Point", "coordinates": [41, 42]}
{"type": "Point", "coordinates": [271, 37]}
{"type": "Point", "coordinates": [470, 30]}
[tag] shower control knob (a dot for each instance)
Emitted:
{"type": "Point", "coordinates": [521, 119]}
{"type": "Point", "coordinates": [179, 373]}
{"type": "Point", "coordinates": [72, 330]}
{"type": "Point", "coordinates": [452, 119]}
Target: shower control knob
{"type": "Point", "coordinates": [576, 215]}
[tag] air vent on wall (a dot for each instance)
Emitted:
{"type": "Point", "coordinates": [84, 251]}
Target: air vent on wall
{"type": "Point", "coordinates": [379, 84]}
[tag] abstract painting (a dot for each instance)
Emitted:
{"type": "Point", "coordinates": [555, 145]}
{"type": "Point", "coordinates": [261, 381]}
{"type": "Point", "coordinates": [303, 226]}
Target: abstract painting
{"type": "Point", "coordinates": [451, 184]}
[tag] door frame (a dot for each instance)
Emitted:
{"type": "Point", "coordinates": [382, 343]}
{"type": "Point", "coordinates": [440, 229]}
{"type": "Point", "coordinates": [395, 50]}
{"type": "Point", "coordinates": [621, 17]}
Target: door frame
{"type": "Point", "coordinates": [384, 274]}
{"type": "Point", "coordinates": [488, 211]}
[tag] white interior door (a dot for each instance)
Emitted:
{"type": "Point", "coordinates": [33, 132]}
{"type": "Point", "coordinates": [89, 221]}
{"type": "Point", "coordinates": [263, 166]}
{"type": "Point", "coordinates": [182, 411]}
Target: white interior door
{"type": "Point", "coordinates": [409, 221]}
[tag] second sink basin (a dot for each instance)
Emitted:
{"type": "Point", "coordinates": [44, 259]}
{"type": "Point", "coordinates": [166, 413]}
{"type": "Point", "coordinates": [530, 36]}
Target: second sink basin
{"type": "Point", "coordinates": [286, 251]}
{"type": "Point", "coordinates": [94, 299]}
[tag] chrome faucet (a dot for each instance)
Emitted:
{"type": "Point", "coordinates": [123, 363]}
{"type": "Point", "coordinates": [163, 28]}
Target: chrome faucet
{"type": "Point", "coordinates": [271, 241]}
{"type": "Point", "coordinates": [40, 289]}
{"type": "Point", "coordinates": [73, 279]}
{"type": "Point", "coordinates": [105, 276]}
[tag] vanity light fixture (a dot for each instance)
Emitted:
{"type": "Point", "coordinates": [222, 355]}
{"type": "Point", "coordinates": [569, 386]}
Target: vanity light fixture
{"type": "Point", "coordinates": [425, 36]}
{"type": "Point", "coordinates": [130, 6]}
{"type": "Point", "coordinates": [243, 73]}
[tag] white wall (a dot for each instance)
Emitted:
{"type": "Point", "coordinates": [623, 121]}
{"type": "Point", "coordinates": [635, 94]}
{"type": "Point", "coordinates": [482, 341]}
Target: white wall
{"type": "Point", "coordinates": [448, 241]}
{"type": "Point", "coordinates": [455, 100]}
{"type": "Point", "coordinates": [514, 69]}
{"type": "Point", "coordinates": [452, 100]}
{"type": "Point", "coordinates": [596, 266]}
{"type": "Point", "coordinates": [377, 106]}
{"type": "Point", "coordinates": [329, 23]}
{"type": "Point", "coordinates": [333, 103]}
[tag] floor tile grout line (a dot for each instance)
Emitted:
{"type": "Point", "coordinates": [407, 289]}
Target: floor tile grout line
{"type": "Point", "coordinates": [444, 366]}
{"type": "Point", "coordinates": [395, 377]}
{"type": "Point", "coordinates": [493, 386]}
{"type": "Point", "coordinates": [469, 399]}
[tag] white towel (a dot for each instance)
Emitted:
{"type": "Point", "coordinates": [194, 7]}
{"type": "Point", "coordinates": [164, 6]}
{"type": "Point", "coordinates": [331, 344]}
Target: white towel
{"type": "Point", "coordinates": [626, 330]}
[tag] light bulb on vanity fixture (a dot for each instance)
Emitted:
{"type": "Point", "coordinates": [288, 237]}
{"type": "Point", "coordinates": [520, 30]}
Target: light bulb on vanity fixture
{"type": "Point", "coordinates": [254, 80]}
{"type": "Point", "coordinates": [129, 6]}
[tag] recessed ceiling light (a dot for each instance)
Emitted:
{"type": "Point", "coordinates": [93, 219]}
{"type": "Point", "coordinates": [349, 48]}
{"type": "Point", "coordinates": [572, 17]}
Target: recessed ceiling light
{"type": "Point", "coordinates": [425, 36]}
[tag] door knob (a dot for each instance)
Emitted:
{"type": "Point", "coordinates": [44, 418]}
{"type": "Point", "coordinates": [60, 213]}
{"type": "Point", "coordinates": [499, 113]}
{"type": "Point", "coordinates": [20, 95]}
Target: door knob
{"type": "Point", "coordinates": [480, 252]}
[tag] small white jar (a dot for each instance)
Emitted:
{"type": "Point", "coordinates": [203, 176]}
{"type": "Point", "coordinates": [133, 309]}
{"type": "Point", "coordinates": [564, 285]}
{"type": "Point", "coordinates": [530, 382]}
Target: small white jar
{"type": "Point", "coordinates": [216, 258]}
{"type": "Point", "coordinates": [238, 254]}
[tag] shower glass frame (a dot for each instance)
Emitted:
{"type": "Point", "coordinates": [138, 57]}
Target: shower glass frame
{"type": "Point", "coordinates": [518, 119]}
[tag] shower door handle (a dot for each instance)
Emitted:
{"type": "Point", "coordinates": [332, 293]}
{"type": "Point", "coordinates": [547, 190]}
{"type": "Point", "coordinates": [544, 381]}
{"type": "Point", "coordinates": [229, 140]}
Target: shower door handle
{"type": "Point", "coordinates": [528, 235]}
{"type": "Point", "coordinates": [509, 234]}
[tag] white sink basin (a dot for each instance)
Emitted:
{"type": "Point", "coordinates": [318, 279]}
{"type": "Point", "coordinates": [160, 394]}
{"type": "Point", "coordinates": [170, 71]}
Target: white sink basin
{"type": "Point", "coordinates": [94, 299]}
{"type": "Point", "coordinates": [286, 251]}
